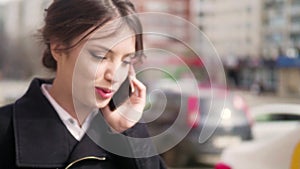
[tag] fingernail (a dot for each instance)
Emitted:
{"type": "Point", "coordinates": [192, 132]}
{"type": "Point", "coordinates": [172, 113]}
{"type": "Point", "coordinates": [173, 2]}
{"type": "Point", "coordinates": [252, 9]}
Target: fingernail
{"type": "Point", "coordinates": [132, 88]}
{"type": "Point", "coordinates": [131, 84]}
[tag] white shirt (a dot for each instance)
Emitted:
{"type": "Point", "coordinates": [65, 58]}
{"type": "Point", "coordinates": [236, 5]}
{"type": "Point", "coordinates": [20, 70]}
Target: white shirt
{"type": "Point", "coordinates": [70, 122]}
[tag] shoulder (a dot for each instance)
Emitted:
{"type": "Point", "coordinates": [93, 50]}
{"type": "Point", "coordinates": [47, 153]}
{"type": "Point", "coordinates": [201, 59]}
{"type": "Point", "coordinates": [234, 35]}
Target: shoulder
{"type": "Point", "coordinates": [139, 130]}
{"type": "Point", "coordinates": [6, 113]}
{"type": "Point", "coordinates": [7, 153]}
{"type": "Point", "coordinates": [5, 118]}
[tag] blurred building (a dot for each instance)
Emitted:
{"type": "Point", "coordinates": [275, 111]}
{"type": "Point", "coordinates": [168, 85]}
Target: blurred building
{"type": "Point", "coordinates": [19, 23]}
{"type": "Point", "coordinates": [233, 26]}
{"type": "Point", "coordinates": [281, 33]}
{"type": "Point", "coordinates": [295, 23]}
{"type": "Point", "coordinates": [167, 30]}
{"type": "Point", "coordinates": [235, 30]}
{"type": "Point", "coordinates": [177, 8]}
{"type": "Point", "coordinates": [22, 17]}
{"type": "Point", "coordinates": [281, 41]}
{"type": "Point", "coordinates": [250, 35]}
{"type": "Point", "coordinates": [253, 28]}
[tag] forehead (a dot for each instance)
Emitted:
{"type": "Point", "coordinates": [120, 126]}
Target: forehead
{"type": "Point", "coordinates": [112, 34]}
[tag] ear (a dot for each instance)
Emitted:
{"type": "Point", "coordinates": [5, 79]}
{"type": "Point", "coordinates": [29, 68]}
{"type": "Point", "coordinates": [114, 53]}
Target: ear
{"type": "Point", "coordinates": [56, 50]}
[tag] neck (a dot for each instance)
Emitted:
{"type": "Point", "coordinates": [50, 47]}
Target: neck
{"type": "Point", "coordinates": [62, 94]}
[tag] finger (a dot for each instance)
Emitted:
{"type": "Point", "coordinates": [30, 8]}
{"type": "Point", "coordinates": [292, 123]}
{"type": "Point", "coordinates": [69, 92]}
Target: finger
{"type": "Point", "coordinates": [140, 87]}
{"type": "Point", "coordinates": [131, 75]}
{"type": "Point", "coordinates": [131, 84]}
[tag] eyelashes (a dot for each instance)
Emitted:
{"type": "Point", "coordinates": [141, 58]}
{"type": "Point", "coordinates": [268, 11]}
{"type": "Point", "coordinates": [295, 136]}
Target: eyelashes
{"type": "Point", "coordinates": [126, 60]}
{"type": "Point", "coordinates": [100, 57]}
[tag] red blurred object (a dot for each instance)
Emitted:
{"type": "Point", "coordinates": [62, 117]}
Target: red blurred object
{"type": "Point", "coordinates": [191, 61]}
{"type": "Point", "coordinates": [222, 166]}
{"type": "Point", "coordinates": [193, 114]}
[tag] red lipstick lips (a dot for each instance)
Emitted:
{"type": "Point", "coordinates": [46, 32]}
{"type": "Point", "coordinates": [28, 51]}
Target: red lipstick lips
{"type": "Point", "coordinates": [104, 92]}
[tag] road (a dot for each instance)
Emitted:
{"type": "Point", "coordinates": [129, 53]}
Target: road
{"type": "Point", "coordinates": [265, 98]}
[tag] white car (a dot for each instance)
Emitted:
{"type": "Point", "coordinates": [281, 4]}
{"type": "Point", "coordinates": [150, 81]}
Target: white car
{"type": "Point", "coordinates": [276, 143]}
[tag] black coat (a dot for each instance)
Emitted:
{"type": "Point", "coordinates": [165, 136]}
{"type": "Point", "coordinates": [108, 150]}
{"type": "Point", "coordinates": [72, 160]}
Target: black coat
{"type": "Point", "coordinates": [33, 136]}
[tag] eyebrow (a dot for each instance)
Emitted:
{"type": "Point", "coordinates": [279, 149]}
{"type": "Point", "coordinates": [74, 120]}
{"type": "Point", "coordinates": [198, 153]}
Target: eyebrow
{"type": "Point", "coordinates": [110, 51]}
{"type": "Point", "coordinates": [104, 48]}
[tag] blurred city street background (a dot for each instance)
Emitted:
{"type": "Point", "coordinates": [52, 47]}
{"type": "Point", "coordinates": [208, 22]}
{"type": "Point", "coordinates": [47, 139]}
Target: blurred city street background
{"type": "Point", "coordinates": [257, 41]}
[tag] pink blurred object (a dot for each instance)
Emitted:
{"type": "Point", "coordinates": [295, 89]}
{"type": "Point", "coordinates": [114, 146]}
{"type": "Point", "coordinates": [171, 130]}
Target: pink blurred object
{"type": "Point", "coordinates": [222, 166]}
{"type": "Point", "coordinates": [193, 113]}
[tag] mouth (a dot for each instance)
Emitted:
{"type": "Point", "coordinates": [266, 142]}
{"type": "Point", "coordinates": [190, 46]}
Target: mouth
{"type": "Point", "coordinates": [105, 93]}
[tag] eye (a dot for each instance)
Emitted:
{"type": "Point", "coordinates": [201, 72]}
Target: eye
{"type": "Point", "coordinates": [96, 55]}
{"type": "Point", "coordinates": [127, 60]}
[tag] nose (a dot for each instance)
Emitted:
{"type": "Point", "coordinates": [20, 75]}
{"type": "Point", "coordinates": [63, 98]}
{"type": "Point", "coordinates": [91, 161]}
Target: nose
{"type": "Point", "coordinates": [113, 72]}
{"type": "Point", "coordinates": [110, 73]}
{"type": "Point", "coordinates": [108, 76]}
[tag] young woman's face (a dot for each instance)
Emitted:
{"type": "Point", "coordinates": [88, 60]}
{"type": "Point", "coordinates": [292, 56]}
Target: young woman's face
{"type": "Point", "coordinates": [99, 66]}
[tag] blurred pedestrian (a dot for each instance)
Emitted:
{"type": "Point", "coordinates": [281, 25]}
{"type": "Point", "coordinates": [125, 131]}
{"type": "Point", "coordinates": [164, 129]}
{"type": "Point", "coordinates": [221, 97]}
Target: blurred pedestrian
{"type": "Point", "coordinates": [73, 120]}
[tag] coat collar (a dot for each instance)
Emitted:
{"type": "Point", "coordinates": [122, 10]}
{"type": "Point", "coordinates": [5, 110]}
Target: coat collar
{"type": "Point", "coordinates": [41, 139]}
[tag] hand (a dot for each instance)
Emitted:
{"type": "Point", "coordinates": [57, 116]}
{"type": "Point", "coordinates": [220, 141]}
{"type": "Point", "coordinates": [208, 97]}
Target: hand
{"type": "Point", "coordinates": [131, 111]}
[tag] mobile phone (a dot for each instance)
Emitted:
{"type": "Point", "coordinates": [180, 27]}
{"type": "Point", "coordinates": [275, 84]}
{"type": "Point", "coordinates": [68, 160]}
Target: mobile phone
{"type": "Point", "coordinates": [123, 93]}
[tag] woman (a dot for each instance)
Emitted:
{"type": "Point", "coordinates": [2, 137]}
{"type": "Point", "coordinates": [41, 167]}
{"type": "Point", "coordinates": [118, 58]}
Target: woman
{"type": "Point", "coordinates": [73, 120]}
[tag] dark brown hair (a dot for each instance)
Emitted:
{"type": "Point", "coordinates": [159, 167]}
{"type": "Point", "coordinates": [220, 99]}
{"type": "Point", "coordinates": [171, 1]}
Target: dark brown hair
{"type": "Point", "coordinates": [67, 19]}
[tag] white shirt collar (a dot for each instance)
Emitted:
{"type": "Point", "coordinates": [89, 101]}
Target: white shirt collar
{"type": "Point", "coordinates": [70, 122]}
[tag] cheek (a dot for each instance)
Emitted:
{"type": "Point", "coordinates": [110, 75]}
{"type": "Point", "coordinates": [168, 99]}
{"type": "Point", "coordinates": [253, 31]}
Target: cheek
{"type": "Point", "coordinates": [121, 73]}
{"type": "Point", "coordinates": [101, 67]}
{"type": "Point", "coordinates": [120, 76]}
{"type": "Point", "coordinates": [85, 68]}
{"type": "Point", "coordinates": [83, 80]}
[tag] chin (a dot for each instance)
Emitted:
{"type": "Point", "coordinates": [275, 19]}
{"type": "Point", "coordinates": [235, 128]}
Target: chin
{"type": "Point", "coordinates": [101, 104]}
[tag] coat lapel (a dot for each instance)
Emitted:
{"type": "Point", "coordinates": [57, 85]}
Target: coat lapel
{"type": "Point", "coordinates": [87, 148]}
{"type": "Point", "coordinates": [98, 136]}
{"type": "Point", "coordinates": [41, 139]}
{"type": "Point", "coordinates": [40, 136]}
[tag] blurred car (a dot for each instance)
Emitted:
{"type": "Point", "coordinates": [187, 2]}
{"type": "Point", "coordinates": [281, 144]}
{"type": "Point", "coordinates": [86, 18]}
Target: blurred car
{"type": "Point", "coordinates": [226, 118]}
{"type": "Point", "coordinates": [276, 143]}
